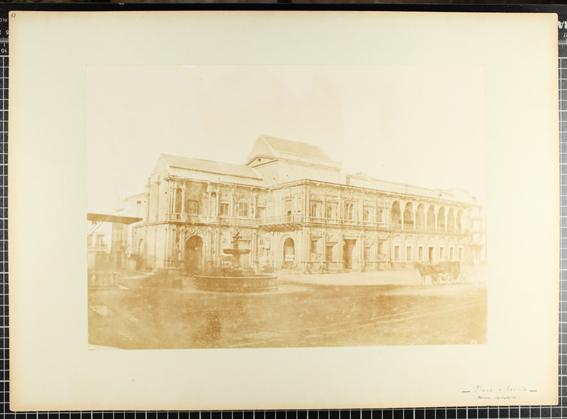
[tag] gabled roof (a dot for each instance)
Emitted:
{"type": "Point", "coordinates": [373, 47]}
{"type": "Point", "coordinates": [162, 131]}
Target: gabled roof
{"type": "Point", "coordinates": [209, 166]}
{"type": "Point", "coordinates": [278, 148]}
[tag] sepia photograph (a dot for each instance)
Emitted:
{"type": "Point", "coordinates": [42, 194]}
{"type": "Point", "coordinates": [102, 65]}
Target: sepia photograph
{"type": "Point", "coordinates": [285, 206]}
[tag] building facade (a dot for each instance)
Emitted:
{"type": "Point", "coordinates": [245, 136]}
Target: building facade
{"type": "Point", "coordinates": [297, 211]}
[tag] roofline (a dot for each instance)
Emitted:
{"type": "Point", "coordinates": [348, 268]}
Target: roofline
{"type": "Point", "coordinates": [216, 173]}
{"type": "Point", "coordinates": [404, 184]}
{"type": "Point", "coordinates": [265, 138]}
{"type": "Point", "coordinates": [165, 155]}
{"type": "Point", "coordinates": [331, 163]}
{"type": "Point", "coordinates": [300, 182]}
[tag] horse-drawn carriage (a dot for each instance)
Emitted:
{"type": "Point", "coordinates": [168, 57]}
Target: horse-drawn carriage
{"type": "Point", "coordinates": [439, 272]}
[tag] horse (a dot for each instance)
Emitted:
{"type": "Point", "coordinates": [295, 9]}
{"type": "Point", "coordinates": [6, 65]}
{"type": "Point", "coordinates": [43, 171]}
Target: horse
{"type": "Point", "coordinates": [439, 272]}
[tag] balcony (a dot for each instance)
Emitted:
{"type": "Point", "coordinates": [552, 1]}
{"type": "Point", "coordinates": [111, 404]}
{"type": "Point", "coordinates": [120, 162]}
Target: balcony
{"type": "Point", "coordinates": [322, 220]}
{"type": "Point", "coordinates": [369, 224]}
{"type": "Point", "coordinates": [218, 220]}
{"type": "Point", "coordinates": [289, 221]}
{"type": "Point", "coordinates": [295, 221]}
{"type": "Point", "coordinates": [283, 222]}
{"type": "Point", "coordinates": [409, 228]}
{"type": "Point", "coordinates": [236, 221]}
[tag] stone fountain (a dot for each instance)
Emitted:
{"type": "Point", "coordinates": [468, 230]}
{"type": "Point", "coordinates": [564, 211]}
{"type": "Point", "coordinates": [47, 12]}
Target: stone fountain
{"type": "Point", "coordinates": [236, 279]}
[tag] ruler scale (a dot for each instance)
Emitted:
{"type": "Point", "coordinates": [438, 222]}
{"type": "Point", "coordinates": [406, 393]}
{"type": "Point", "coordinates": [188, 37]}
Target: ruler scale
{"type": "Point", "coordinates": [411, 413]}
{"type": "Point", "coordinates": [562, 380]}
{"type": "Point", "coordinates": [5, 366]}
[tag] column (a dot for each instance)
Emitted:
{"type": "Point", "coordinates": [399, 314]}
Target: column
{"type": "Point", "coordinates": [402, 210]}
{"type": "Point", "coordinates": [414, 214]}
{"type": "Point", "coordinates": [183, 197]}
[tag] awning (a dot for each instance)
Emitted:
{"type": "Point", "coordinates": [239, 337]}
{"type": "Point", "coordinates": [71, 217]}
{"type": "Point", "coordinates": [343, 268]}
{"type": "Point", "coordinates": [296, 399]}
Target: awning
{"type": "Point", "coordinates": [110, 218]}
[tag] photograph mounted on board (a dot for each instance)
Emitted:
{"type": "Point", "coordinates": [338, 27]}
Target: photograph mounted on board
{"type": "Point", "coordinates": [361, 203]}
{"type": "Point", "coordinates": [285, 206]}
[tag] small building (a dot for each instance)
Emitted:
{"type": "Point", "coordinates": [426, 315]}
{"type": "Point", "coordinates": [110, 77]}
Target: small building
{"type": "Point", "coordinates": [107, 246]}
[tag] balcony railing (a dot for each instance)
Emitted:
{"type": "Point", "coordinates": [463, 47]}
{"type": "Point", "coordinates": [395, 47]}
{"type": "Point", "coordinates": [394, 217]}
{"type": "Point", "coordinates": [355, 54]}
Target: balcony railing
{"type": "Point", "coordinates": [283, 219]}
{"type": "Point", "coordinates": [300, 219]}
{"type": "Point", "coordinates": [426, 229]}
{"type": "Point", "coordinates": [205, 219]}
{"type": "Point", "coordinates": [303, 219]}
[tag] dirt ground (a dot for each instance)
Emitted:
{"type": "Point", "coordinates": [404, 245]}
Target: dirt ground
{"type": "Point", "coordinates": [297, 315]}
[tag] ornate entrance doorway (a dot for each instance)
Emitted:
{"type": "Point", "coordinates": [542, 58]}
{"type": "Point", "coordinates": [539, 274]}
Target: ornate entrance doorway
{"type": "Point", "coordinates": [193, 254]}
{"type": "Point", "coordinates": [347, 253]}
{"type": "Point", "coordinates": [288, 253]}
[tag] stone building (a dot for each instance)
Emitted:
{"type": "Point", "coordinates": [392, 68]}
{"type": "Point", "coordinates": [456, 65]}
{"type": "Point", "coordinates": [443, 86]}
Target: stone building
{"type": "Point", "coordinates": [296, 210]}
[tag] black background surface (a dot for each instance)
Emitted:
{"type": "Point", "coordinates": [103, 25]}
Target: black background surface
{"type": "Point", "coordinates": [559, 411]}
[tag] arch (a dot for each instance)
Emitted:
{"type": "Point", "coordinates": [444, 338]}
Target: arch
{"type": "Point", "coordinates": [420, 217]}
{"type": "Point", "coordinates": [288, 252]}
{"type": "Point", "coordinates": [459, 221]}
{"type": "Point", "coordinates": [396, 215]}
{"type": "Point", "coordinates": [408, 216]}
{"type": "Point", "coordinates": [193, 254]}
{"type": "Point", "coordinates": [431, 218]}
{"type": "Point", "coordinates": [441, 219]}
{"type": "Point", "coordinates": [451, 220]}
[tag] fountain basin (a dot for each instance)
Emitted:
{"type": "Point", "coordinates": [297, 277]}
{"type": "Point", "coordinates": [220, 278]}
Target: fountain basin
{"type": "Point", "coordinates": [236, 283]}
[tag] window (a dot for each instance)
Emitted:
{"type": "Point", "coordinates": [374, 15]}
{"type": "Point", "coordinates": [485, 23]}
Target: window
{"type": "Point", "coordinates": [379, 215]}
{"type": "Point", "coordinates": [451, 253]}
{"type": "Point", "coordinates": [408, 216]}
{"type": "Point", "coordinates": [223, 209]}
{"type": "Point", "coordinates": [178, 197]}
{"type": "Point", "coordinates": [315, 209]}
{"type": "Point", "coordinates": [287, 207]}
{"type": "Point", "coordinates": [396, 253]}
{"type": "Point", "coordinates": [243, 209]}
{"type": "Point", "coordinates": [408, 254]}
{"type": "Point", "coordinates": [330, 211]}
{"type": "Point", "coordinates": [366, 253]}
{"type": "Point", "coordinates": [349, 211]}
{"type": "Point", "coordinates": [441, 253]}
{"type": "Point", "coordinates": [193, 207]}
{"type": "Point", "coordinates": [367, 214]}
{"type": "Point", "coordinates": [314, 249]}
{"type": "Point", "coordinates": [420, 253]}
{"type": "Point", "coordinates": [395, 215]}
{"type": "Point", "coordinates": [329, 253]}
{"type": "Point", "coordinates": [260, 212]}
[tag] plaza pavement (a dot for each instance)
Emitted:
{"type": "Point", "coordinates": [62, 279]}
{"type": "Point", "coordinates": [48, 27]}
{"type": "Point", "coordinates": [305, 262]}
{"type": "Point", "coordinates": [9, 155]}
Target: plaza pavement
{"type": "Point", "coordinates": [404, 277]}
{"type": "Point", "coordinates": [401, 278]}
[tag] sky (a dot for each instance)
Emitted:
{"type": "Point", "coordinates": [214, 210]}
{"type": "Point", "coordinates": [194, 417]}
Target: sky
{"type": "Point", "coordinates": [418, 125]}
